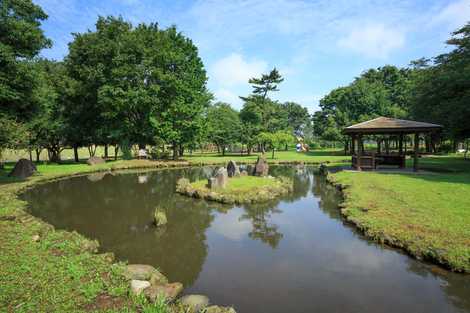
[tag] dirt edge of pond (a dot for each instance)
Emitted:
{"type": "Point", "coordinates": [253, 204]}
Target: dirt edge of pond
{"type": "Point", "coordinates": [382, 237]}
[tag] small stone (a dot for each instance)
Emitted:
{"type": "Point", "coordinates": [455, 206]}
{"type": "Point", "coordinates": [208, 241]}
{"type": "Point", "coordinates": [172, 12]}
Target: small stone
{"type": "Point", "coordinates": [195, 302]}
{"type": "Point", "coordinates": [219, 180]}
{"type": "Point", "coordinates": [168, 291]}
{"type": "Point", "coordinates": [137, 286]}
{"type": "Point", "coordinates": [160, 217]}
{"type": "Point", "coordinates": [219, 309]}
{"type": "Point", "coordinates": [94, 160]}
{"type": "Point", "coordinates": [158, 278]}
{"type": "Point", "coordinates": [36, 238]}
{"type": "Point", "coordinates": [90, 246]}
{"type": "Point", "coordinates": [243, 173]}
{"type": "Point", "coordinates": [139, 271]}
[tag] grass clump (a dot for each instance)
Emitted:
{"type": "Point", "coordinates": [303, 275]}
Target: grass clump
{"type": "Point", "coordinates": [242, 189]}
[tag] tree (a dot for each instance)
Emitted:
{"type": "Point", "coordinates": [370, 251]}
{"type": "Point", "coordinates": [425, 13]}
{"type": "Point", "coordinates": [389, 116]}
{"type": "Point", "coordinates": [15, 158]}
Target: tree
{"type": "Point", "coordinates": [251, 118]}
{"type": "Point", "coordinates": [223, 125]}
{"type": "Point", "coordinates": [297, 116]}
{"type": "Point", "coordinates": [47, 127]}
{"type": "Point", "coordinates": [21, 38]}
{"type": "Point", "coordinates": [442, 88]}
{"type": "Point", "coordinates": [12, 135]}
{"type": "Point", "coordinates": [274, 140]}
{"type": "Point", "coordinates": [266, 83]}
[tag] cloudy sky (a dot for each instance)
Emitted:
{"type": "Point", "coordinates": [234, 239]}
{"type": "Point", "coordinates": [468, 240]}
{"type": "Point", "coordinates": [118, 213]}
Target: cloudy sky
{"type": "Point", "coordinates": [317, 45]}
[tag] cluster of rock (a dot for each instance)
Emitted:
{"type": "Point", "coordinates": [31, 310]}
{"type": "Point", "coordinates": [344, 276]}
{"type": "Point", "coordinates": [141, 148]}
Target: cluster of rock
{"type": "Point", "coordinates": [146, 280]}
{"type": "Point", "coordinates": [159, 217]}
{"type": "Point", "coordinates": [214, 190]}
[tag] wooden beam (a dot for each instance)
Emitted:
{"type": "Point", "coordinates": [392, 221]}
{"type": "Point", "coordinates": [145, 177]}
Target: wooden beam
{"type": "Point", "coordinates": [400, 144]}
{"type": "Point", "coordinates": [416, 152]}
{"type": "Point", "coordinates": [359, 153]}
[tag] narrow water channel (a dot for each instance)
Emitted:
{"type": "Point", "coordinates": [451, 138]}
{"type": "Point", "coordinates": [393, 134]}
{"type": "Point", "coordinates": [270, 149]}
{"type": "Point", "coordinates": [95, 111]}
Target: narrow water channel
{"type": "Point", "coordinates": [292, 255]}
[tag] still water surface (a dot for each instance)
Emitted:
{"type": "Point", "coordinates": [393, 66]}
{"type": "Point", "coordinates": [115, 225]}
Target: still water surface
{"type": "Point", "coordinates": [293, 255]}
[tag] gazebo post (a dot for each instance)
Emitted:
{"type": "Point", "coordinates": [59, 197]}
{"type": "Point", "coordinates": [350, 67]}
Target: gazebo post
{"type": "Point", "coordinates": [416, 152]}
{"type": "Point", "coordinates": [359, 152]}
{"type": "Point", "coordinates": [353, 144]}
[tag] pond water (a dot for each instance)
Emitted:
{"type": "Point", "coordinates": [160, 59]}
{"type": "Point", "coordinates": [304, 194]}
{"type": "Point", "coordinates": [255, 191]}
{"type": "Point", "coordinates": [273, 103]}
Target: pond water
{"type": "Point", "coordinates": [292, 255]}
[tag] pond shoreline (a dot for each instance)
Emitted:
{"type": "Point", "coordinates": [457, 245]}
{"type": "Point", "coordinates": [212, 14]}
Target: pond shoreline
{"type": "Point", "coordinates": [382, 236]}
{"type": "Point", "coordinates": [14, 215]}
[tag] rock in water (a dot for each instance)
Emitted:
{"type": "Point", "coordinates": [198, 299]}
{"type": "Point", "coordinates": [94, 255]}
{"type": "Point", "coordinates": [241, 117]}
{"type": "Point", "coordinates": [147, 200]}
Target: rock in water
{"type": "Point", "coordinates": [94, 160]}
{"type": "Point", "coordinates": [219, 180]}
{"type": "Point", "coordinates": [232, 169]}
{"type": "Point", "coordinates": [195, 303]}
{"type": "Point", "coordinates": [137, 286]}
{"type": "Point", "coordinates": [160, 217]}
{"type": "Point", "coordinates": [23, 169]}
{"type": "Point", "coordinates": [219, 309]}
{"type": "Point", "coordinates": [261, 166]}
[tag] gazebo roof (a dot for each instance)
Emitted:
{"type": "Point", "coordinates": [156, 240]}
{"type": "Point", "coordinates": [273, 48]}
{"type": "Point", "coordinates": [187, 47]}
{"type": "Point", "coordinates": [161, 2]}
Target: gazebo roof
{"type": "Point", "coordinates": [385, 125]}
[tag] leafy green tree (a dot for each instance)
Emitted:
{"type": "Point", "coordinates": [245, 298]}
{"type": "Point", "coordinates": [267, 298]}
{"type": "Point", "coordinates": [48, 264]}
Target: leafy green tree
{"type": "Point", "coordinates": [21, 38]}
{"type": "Point", "coordinates": [223, 125]}
{"type": "Point", "coordinates": [47, 128]}
{"type": "Point", "coordinates": [297, 116]}
{"type": "Point", "coordinates": [442, 88]}
{"type": "Point", "coordinates": [12, 135]}
{"type": "Point", "coordinates": [251, 118]}
{"type": "Point", "coordinates": [266, 83]}
{"type": "Point", "coordinates": [274, 140]}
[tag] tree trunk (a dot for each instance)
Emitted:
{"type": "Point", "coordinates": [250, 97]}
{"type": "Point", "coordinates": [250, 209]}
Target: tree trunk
{"type": "Point", "coordinates": [75, 153]}
{"type": "Point", "coordinates": [54, 155]}
{"type": "Point", "coordinates": [272, 157]}
{"type": "Point", "coordinates": [30, 155]}
{"type": "Point", "coordinates": [116, 150]}
{"type": "Point", "coordinates": [223, 150]}
{"type": "Point", "coordinates": [181, 150]}
{"type": "Point", "coordinates": [38, 155]}
{"type": "Point", "coordinates": [286, 147]}
{"type": "Point", "coordinates": [106, 151]}
{"type": "Point", "coordinates": [248, 150]}
{"type": "Point", "coordinates": [175, 151]}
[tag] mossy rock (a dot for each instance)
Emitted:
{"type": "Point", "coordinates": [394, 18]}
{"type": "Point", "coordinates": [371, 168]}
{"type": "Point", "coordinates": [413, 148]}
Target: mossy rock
{"type": "Point", "coordinates": [159, 217]}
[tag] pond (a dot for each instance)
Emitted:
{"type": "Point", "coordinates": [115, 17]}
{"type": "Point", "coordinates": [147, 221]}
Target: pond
{"type": "Point", "coordinates": [292, 255]}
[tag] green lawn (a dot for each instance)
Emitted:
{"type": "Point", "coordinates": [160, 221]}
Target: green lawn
{"type": "Point", "coordinates": [314, 157]}
{"type": "Point", "coordinates": [427, 213]}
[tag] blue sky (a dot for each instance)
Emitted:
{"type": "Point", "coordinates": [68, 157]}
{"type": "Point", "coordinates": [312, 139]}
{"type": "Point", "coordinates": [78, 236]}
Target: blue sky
{"type": "Point", "coordinates": [317, 45]}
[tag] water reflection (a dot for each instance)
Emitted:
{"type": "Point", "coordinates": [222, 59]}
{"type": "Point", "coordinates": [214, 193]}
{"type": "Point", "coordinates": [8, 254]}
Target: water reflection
{"type": "Point", "coordinates": [294, 254]}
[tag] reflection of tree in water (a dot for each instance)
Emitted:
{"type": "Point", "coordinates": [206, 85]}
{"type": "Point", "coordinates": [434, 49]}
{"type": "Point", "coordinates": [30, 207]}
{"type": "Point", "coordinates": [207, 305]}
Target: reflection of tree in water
{"type": "Point", "coordinates": [118, 211]}
{"type": "Point", "coordinates": [329, 196]}
{"type": "Point", "coordinates": [455, 285]}
{"type": "Point", "coordinates": [301, 175]}
{"type": "Point", "coordinates": [263, 230]}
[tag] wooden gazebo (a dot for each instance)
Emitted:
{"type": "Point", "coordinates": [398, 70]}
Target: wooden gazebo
{"type": "Point", "coordinates": [386, 126]}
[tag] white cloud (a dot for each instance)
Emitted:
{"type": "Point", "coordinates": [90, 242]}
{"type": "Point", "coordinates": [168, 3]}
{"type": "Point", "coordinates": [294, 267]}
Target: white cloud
{"type": "Point", "coordinates": [225, 95]}
{"type": "Point", "coordinates": [234, 70]}
{"type": "Point", "coordinates": [373, 40]}
{"type": "Point", "coordinates": [456, 14]}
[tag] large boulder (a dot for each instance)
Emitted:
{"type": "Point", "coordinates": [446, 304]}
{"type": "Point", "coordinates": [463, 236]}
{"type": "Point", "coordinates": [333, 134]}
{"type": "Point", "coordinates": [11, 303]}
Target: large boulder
{"type": "Point", "coordinates": [168, 291]}
{"type": "Point", "coordinates": [23, 169]}
{"type": "Point", "coordinates": [195, 303]}
{"type": "Point", "coordinates": [261, 166]}
{"type": "Point", "coordinates": [232, 169]}
{"type": "Point", "coordinates": [94, 160]}
{"type": "Point", "coordinates": [219, 180]}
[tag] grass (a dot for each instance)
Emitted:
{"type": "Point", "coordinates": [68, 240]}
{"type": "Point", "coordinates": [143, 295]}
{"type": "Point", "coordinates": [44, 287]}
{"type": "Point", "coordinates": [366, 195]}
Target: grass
{"type": "Point", "coordinates": [242, 189]}
{"type": "Point", "coordinates": [427, 214]}
{"type": "Point", "coordinates": [312, 157]}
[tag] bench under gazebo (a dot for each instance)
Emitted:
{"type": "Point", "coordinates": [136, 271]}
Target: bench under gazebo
{"type": "Point", "coordinates": [386, 126]}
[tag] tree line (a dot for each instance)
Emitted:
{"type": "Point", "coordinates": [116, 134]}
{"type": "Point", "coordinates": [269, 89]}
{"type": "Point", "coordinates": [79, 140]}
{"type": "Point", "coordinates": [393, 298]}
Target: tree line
{"type": "Point", "coordinates": [122, 85]}
{"type": "Point", "coordinates": [429, 90]}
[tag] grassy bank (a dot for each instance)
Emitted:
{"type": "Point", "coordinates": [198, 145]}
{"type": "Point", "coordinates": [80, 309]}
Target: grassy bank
{"type": "Point", "coordinates": [427, 214]}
